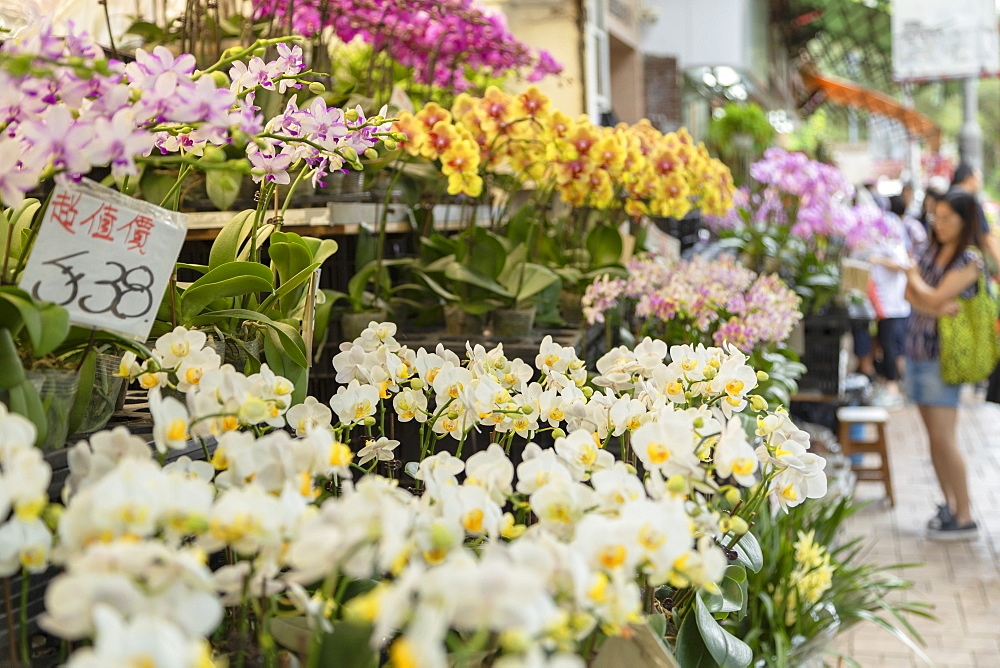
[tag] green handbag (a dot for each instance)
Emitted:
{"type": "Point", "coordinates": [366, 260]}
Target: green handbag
{"type": "Point", "coordinates": [970, 348]}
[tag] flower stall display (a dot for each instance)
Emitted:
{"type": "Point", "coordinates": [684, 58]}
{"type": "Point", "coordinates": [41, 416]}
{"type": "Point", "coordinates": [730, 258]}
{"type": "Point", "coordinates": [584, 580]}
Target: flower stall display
{"type": "Point", "coordinates": [710, 302]}
{"type": "Point", "coordinates": [542, 555]}
{"type": "Point", "coordinates": [70, 109]}
{"type": "Point", "coordinates": [496, 146]}
{"type": "Point", "coordinates": [447, 46]}
{"type": "Point", "coordinates": [796, 219]}
{"type": "Point", "coordinates": [814, 587]}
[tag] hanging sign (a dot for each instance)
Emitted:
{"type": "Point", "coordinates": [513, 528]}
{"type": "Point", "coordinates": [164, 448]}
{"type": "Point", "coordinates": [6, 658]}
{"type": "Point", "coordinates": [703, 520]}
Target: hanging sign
{"type": "Point", "coordinates": [105, 257]}
{"type": "Point", "coordinates": [940, 40]}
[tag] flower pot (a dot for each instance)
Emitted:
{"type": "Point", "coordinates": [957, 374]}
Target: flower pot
{"type": "Point", "coordinates": [352, 324]}
{"type": "Point", "coordinates": [571, 307]}
{"type": "Point", "coordinates": [103, 395]}
{"type": "Point", "coordinates": [458, 322]}
{"type": "Point", "coordinates": [513, 322]}
{"type": "Point", "coordinates": [344, 186]}
{"type": "Point", "coordinates": [56, 388]}
{"type": "Point", "coordinates": [237, 351]}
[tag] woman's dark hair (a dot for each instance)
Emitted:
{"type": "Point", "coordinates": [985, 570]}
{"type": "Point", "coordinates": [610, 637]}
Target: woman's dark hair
{"type": "Point", "coordinates": [897, 205]}
{"type": "Point", "coordinates": [965, 205]}
{"type": "Point", "coordinates": [962, 172]}
{"type": "Point", "coordinates": [934, 193]}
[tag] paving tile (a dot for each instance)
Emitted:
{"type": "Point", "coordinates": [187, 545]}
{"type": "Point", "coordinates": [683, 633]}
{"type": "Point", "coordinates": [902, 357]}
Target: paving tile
{"type": "Point", "coordinates": [961, 580]}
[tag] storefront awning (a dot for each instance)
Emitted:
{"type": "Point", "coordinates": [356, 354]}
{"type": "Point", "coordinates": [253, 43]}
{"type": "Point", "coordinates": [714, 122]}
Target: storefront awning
{"type": "Point", "coordinates": [821, 88]}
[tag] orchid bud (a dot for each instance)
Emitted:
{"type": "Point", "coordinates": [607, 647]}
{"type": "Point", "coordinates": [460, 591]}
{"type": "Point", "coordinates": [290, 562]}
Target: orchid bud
{"type": "Point", "coordinates": [220, 79]}
{"type": "Point", "coordinates": [389, 144]}
{"type": "Point", "coordinates": [349, 154]}
{"type": "Point", "coordinates": [371, 153]}
{"type": "Point", "coordinates": [698, 423]}
{"type": "Point", "coordinates": [213, 154]}
{"type": "Point", "coordinates": [558, 433]}
{"type": "Point", "coordinates": [732, 495]}
{"type": "Point", "coordinates": [740, 526]}
{"type": "Point", "coordinates": [630, 469]}
{"type": "Point", "coordinates": [196, 525]}
{"type": "Point", "coordinates": [528, 409]}
{"type": "Point", "coordinates": [441, 538]}
{"type": "Point", "coordinates": [710, 372]}
{"type": "Point", "coordinates": [316, 88]}
{"type": "Point", "coordinates": [398, 136]}
{"type": "Point", "coordinates": [515, 641]}
{"type": "Point", "coordinates": [351, 115]}
{"type": "Point", "coordinates": [587, 392]}
{"type": "Point", "coordinates": [758, 403]}
{"type": "Point", "coordinates": [725, 524]}
{"type": "Point", "coordinates": [368, 421]}
{"type": "Point", "coordinates": [417, 384]}
{"type": "Point", "coordinates": [453, 415]}
{"type": "Point", "coordinates": [676, 484]}
{"type": "Point", "coordinates": [51, 515]}
{"type": "Point", "coordinates": [762, 376]}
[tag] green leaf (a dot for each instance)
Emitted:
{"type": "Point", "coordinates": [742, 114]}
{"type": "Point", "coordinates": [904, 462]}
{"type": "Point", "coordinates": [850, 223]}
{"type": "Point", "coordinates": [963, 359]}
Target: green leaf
{"type": "Point", "coordinates": [289, 294]}
{"type": "Point", "coordinates": [348, 647]}
{"type": "Point", "coordinates": [437, 246]}
{"type": "Point", "coordinates": [658, 623]}
{"type": "Point", "coordinates": [749, 553]}
{"type": "Point", "coordinates": [149, 32]}
{"type": "Point", "coordinates": [734, 592]}
{"type": "Point", "coordinates": [289, 339]}
{"type": "Point", "coordinates": [536, 278]}
{"type": "Point", "coordinates": [233, 279]}
{"type": "Point", "coordinates": [691, 651]}
{"type": "Point", "coordinates": [289, 257]}
{"type": "Point", "coordinates": [227, 244]}
{"type": "Point", "coordinates": [24, 400]}
{"type": "Point", "coordinates": [604, 243]}
{"type": "Point", "coordinates": [357, 588]}
{"type": "Point", "coordinates": [223, 186]}
{"type": "Point", "coordinates": [518, 228]}
{"type": "Point", "coordinates": [55, 328]}
{"type": "Point", "coordinates": [11, 369]}
{"type": "Point", "coordinates": [323, 250]}
{"type": "Point", "coordinates": [282, 364]}
{"type": "Point", "coordinates": [17, 306]}
{"type": "Point", "coordinates": [726, 649]}
{"type": "Point", "coordinates": [81, 401]}
{"type": "Point", "coordinates": [463, 274]}
{"type": "Point", "coordinates": [484, 251]}
{"type": "Point", "coordinates": [359, 282]}
{"type": "Point", "coordinates": [434, 286]}
{"type": "Point", "coordinates": [154, 185]}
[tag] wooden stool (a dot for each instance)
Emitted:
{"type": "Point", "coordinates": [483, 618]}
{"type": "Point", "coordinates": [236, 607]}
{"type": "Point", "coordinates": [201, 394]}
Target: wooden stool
{"type": "Point", "coordinates": [865, 415]}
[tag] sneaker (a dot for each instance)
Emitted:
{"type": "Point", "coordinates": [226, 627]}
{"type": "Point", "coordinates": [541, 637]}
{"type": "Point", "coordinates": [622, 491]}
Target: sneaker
{"type": "Point", "coordinates": [943, 517]}
{"type": "Point", "coordinates": [952, 531]}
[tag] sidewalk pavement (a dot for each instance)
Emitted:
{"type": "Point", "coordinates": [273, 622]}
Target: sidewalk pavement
{"type": "Point", "coordinates": [960, 579]}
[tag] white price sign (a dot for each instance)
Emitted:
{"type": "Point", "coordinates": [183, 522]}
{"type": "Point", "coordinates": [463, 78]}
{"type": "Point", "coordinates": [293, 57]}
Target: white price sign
{"type": "Point", "coordinates": [104, 256]}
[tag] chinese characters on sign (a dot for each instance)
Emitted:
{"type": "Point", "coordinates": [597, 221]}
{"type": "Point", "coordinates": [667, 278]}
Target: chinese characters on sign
{"type": "Point", "coordinates": [94, 256]}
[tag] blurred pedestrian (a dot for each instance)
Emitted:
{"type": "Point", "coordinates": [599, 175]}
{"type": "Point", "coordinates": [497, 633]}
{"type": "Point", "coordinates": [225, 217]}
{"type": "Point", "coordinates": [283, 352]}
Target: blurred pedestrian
{"type": "Point", "coordinates": [932, 196]}
{"type": "Point", "coordinates": [970, 179]}
{"type": "Point", "coordinates": [949, 269]}
{"type": "Point", "coordinates": [915, 234]}
{"type": "Point", "coordinates": [889, 258]}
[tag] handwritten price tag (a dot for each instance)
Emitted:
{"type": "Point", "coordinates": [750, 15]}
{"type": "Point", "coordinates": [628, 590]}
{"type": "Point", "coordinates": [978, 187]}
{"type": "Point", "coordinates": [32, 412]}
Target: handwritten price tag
{"type": "Point", "coordinates": [104, 256]}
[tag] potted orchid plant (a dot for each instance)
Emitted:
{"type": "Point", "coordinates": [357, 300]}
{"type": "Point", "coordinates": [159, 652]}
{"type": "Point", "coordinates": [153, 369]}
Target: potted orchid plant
{"type": "Point", "coordinates": [190, 116]}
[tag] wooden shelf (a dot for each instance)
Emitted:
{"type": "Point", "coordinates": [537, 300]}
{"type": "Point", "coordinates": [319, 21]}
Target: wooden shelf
{"type": "Point", "coordinates": [336, 219]}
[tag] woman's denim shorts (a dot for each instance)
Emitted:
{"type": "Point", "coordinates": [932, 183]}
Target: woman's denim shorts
{"type": "Point", "coordinates": [925, 387]}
